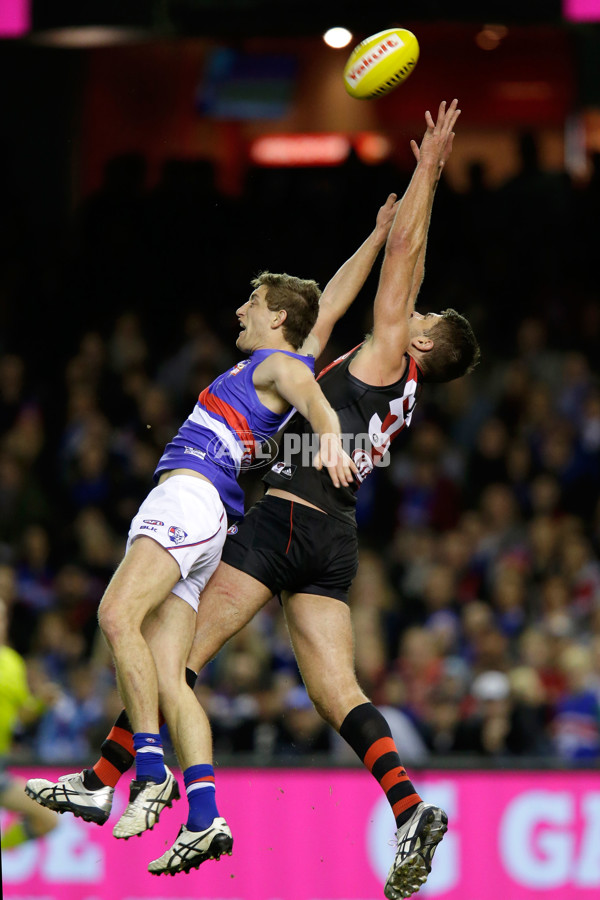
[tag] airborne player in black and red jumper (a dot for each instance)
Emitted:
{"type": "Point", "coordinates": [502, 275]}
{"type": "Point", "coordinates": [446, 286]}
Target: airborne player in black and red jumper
{"type": "Point", "coordinates": [300, 540]}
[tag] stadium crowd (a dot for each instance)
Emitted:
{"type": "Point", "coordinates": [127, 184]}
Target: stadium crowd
{"type": "Point", "coordinates": [477, 602]}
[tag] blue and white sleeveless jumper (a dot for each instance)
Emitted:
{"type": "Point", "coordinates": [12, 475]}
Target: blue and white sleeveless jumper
{"type": "Point", "coordinates": [219, 437]}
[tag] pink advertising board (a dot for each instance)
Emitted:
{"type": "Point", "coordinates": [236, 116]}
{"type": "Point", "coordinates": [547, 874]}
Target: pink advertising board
{"type": "Point", "coordinates": [14, 18]}
{"type": "Point", "coordinates": [582, 10]}
{"type": "Point", "coordinates": [326, 835]}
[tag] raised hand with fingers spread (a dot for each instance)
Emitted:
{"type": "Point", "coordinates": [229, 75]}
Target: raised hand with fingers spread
{"type": "Point", "coordinates": [439, 137]}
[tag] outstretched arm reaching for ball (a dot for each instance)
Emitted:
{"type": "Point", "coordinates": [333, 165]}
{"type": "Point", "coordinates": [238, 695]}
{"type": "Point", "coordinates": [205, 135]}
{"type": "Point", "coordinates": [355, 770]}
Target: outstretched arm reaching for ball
{"type": "Point", "coordinates": [341, 291]}
{"type": "Point", "coordinates": [381, 358]}
{"type": "Point", "coordinates": [419, 272]}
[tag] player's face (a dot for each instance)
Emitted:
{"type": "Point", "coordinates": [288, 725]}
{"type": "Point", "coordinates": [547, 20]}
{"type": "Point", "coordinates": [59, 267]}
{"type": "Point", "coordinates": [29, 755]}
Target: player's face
{"type": "Point", "coordinates": [419, 324]}
{"type": "Point", "coordinates": [255, 318]}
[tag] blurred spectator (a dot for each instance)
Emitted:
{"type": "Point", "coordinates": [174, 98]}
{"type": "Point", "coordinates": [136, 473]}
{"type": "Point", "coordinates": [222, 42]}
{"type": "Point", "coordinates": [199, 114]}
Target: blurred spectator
{"type": "Point", "coordinates": [419, 665]}
{"type": "Point", "coordinates": [34, 572]}
{"type": "Point", "coordinates": [63, 732]}
{"type": "Point", "coordinates": [233, 705]}
{"type": "Point", "coordinates": [508, 597]}
{"type": "Point", "coordinates": [576, 719]}
{"type": "Point", "coordinates": [300, 729]}
{"type": "Point", "coordinates": [506, 720]}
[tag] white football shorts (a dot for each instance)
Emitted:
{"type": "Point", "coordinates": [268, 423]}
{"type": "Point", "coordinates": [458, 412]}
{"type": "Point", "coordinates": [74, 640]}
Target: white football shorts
{"type": "Point", "coordinates": [186, 516]}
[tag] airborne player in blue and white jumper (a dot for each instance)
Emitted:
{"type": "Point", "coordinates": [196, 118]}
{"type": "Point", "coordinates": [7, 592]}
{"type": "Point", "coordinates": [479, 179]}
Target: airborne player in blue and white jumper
{"type": "Point", "coordinates": [176, 538]}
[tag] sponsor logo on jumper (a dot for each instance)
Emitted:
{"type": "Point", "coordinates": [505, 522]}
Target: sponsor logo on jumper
{"type": "Point", "coordinates": [153, 522]}
{"type": "Point", "coordinates": [368, 60]}
{"type": "Point", "coordinates": [238, 368]}
{"type": "Point", "coordinates": [283, 469]}
{"type": "Point", "coordinates": [233, 529]}
{"type": "Point", "coordinates": [148, 528]}
{"type": "Point", "coordinates": [193, 451]}
{"type": "Point", "coordinates": [177, 534]}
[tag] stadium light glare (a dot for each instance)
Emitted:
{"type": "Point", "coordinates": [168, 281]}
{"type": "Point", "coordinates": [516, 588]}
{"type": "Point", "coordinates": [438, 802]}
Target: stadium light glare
{"type": "Point", "coordinates": [89, 36]}
{"type": "Point", "coordinates": [490, 36]}
{"type": "Point", "coordinates": [337, 37]}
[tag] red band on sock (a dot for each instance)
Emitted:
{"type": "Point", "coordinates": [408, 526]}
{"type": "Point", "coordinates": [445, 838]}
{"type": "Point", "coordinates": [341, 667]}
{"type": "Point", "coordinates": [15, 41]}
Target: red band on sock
{"type": "Point", "coordinates": [107, 773]}
{"type": "Point", "coordinates": [123, 738]}
{"type": "Point", "coordinates": [402, 805]}
{"type": "Point", "coordinates": [383, 745]}
{"type": "Point", "coordinates": [394, 776]}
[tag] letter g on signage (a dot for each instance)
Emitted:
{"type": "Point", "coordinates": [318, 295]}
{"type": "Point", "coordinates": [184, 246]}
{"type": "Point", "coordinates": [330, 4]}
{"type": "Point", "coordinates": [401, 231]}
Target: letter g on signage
{"type": "Point", "coordinates": [536, 838]}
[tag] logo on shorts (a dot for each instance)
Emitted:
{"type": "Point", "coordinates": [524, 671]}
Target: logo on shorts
{"type": "Point", "coordinates": [177, 534]}
{"type": "Point", "coordinates": [233, 529]}
{"type": "Point", "coordinates": [153, 522]}
{"type": "Point", "coordinates": [283, 469]}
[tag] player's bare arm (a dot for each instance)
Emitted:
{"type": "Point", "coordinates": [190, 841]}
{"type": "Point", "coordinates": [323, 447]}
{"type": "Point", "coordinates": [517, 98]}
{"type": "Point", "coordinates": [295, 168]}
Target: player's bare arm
{"type": "Point", "coordinates": [419, 272]}
{"type": "Point", "coordinates": [381, 359]}
{"type": "Point", "coordinates": [341, 291]}
{"type": "Point", "coordinates": [281, 379]}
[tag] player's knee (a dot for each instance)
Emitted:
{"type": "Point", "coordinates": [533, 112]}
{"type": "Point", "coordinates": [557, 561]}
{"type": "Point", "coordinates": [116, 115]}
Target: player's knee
{"type": "Point", "coordinates": [112, 622]}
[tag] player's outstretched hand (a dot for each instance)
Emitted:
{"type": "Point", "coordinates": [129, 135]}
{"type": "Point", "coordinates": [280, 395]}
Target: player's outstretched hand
{"type": "Point", "coordinates": [437, 140]}
{"type": "Point", "coordinates": [337, 462]}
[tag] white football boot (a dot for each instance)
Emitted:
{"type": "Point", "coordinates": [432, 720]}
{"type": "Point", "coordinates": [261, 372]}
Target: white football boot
{"type": "Point", "coordinates": [69, 794]}
{"type": "Point", "coordinates": [417, 841]}
{"type": "Point", "coordinates": [146, 802]}
{"type": "Point", "coordinates": [192, 848]}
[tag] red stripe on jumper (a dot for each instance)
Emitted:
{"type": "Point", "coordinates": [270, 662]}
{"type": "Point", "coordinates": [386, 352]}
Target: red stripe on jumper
{"type": "Point", "coordinates": [391, 418]}
{"type": "Point", "coordinates": [232, 416]}
{"type": "Point", "coordinates": [337, 361]}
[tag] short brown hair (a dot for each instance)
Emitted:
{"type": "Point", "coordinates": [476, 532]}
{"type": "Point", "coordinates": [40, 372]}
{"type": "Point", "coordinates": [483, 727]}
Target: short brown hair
{"type": "Point", "coordinates": [299, 297]}
{"type": "Point", "coordinates": [455, 350]}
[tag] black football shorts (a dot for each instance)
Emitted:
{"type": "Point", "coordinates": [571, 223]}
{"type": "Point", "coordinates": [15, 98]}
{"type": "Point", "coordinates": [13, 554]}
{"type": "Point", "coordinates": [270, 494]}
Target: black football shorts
{"type": "Point", "coordinates": [290, 547]}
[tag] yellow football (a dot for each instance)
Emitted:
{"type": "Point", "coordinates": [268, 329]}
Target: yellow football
{"type": "Point", "coordinates": [380, 63]}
